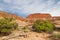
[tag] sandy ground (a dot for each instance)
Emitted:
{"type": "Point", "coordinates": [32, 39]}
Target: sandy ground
{"type": "Point", "coordinates": [26, 36]}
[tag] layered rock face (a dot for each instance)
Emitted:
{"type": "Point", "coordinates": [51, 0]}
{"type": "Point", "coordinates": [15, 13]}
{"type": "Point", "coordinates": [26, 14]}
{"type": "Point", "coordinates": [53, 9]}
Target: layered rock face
{"type": "Point", "coordinates": [36, 16]}
{"type": "Point", "coordinates": [6, 14]}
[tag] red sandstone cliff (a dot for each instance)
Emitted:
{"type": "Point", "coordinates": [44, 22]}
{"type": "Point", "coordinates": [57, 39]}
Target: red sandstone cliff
{"type": "Point", "coordinates": [37, 16]}
{"type": "Point", "coordinates": [6, 14]}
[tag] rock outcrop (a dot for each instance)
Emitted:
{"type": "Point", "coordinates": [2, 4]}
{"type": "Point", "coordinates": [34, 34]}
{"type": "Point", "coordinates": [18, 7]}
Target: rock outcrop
{"type": "Point", "coordinates": [38, 16]}
{"type": "Point", "coordinates": [6, 14]}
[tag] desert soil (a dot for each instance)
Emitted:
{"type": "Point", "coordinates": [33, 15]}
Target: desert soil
{"type": "Point", "coordinates": [18, 35]}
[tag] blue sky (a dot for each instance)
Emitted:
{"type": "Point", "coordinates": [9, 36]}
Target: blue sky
{"type": "Point", "coordinates": [26, 7]}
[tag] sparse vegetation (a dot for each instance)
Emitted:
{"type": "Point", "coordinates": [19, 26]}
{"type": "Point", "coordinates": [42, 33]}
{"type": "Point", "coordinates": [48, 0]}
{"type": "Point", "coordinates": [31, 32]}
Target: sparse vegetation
{"type": "Point", "coordinates": [56, 37]}
{"type": "Point", "coordinates": [41, 26]}
{"type": "Point", "coordinates": [25, 29]}
{"type": "Point", "coordinates": [7, 25]}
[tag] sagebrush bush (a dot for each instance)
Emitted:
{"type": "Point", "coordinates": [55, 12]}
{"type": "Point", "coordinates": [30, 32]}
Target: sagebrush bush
{"type": "Point", "coordinates": [49, 26]}
{"type": "Point", "coordinates": [25, 29]}
{"type": "Point", "coordinates": [56, 37]}
{"type": "Point", "coordinates": [7, 25]}
{"type": "Point", "coordinates": [43, 26]}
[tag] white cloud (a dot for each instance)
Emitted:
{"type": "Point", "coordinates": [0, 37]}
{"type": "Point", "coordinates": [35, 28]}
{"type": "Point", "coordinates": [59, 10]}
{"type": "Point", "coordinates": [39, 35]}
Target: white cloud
{"type": "Point", "coordinates": [1, 9]}
{"type": "Point", "coordinates": [48, 7]}
{"type": "Point", "coordinates": [7, 1]}
{"type": "Point", "coordinates": [36, 6]}
{"type": "Point", "coordinates": [58, 3]}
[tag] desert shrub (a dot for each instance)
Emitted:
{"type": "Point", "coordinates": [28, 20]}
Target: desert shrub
{"type": "Point", "coordinates": [25, 29]}
{"type": "Point", "coordinates": [7, 25]}
{"type": "Point", "coordinates": [43, 26]}
{"type": "Point", "coordinates": [56, 37]}
{"type": "Point", "coordinates": [49, 26]}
